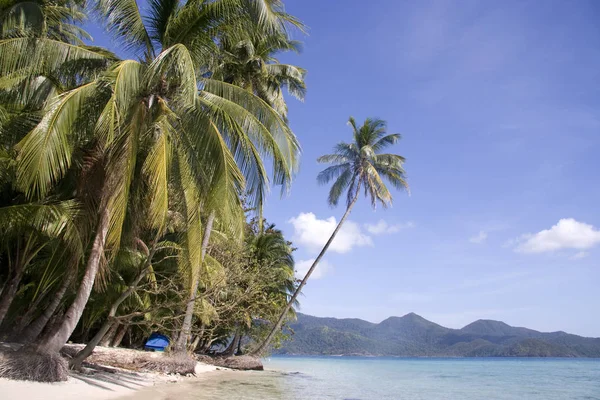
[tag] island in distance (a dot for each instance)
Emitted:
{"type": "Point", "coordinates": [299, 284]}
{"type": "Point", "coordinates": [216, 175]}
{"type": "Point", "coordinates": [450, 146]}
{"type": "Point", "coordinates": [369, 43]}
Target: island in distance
{"type": "Point", "coordinates": [414, 336]}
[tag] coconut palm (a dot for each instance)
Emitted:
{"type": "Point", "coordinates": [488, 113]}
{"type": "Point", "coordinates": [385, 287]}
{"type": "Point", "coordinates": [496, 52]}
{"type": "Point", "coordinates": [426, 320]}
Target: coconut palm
{"type": "Point", "coordinates": [249, 62]}
{"type": "Point", "coordinates": [359, 165]}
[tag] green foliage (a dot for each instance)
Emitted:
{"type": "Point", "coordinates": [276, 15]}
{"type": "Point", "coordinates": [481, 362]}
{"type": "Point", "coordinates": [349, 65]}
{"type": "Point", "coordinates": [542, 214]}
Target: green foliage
{"type": "Point", "coordinates": [361, 165]}
{"type": "Point", "coordinates": [158, 143]}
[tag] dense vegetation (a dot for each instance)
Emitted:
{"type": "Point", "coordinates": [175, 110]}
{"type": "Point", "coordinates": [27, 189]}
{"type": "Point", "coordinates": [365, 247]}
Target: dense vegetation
{"type": "Point", "coordinates": [132, 189]}
{"type": "Point", "coordinates": [414, 336]}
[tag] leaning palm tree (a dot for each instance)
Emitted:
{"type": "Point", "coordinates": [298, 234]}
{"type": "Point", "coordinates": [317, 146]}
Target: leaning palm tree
{"type": "Point", "coordinates": [357, 165]}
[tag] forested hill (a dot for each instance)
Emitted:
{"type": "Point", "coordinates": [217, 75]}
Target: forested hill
{"type": "Point", "coordinates": [414, 336]}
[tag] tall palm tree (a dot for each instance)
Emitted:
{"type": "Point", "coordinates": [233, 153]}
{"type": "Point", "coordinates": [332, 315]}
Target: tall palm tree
{"type": "Point", "coordinates": [356, 165]}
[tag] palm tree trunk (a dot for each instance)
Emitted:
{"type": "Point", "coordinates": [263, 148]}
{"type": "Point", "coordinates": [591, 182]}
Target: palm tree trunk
{"type": "Point", "coordinates": [26, 319]}
{"type": "Point", "coordinates": [108, 338]}
{"type": "Point", "coordinates": [261, 349]}
{"type": "Point", "coordinates": [10, 291]}
{"type": "Point", "coordinates": [230, 350]}
{"type": "Point", "coordinates": [194, 344]}
{"type": "Point", "coordinates": [89, 348]}
{"type": "Point", "coordinates": [186, 327]}
{"type": "Point", "coordinates": [33, 330]}
{"type": "Point", "coordinates": [56, 340]}
{"type": "Point", "coordinates": [239, 346]}
{"type": "Point", "coordinates": [120, 334]}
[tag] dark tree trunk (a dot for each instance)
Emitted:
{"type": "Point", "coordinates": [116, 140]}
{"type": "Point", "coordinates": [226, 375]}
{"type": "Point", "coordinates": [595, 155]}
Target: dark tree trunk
{"type": "Point", "coordinates": [261, 349]}
{"type": "Point", "coordinates": [194, 344]}
{"type": "Point", "coordinates": [206, 346]}
{"type": "Point", "coordinates": [59, 336]}
{"type": "Point", "coordinates": [33, 330]}
{"type": "Point", "coordinates": [230, 350]}
{"type": "Point", "coordinates": [108, 338]}
{"type": "Point", "coordinates": [10, 290]}
{"type": "Point", "coordinates": [120, 335]}
{"type": "Point", "coordinates": [186, 327]}
{"type": "Point", "coordinates": [26, 319]}
{"type": "Point", "coordinates": [239, 347]}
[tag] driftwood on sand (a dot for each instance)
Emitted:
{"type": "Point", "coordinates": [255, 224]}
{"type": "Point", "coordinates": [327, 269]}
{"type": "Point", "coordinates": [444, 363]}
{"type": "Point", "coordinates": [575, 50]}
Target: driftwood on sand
{"type": "Point", "coordinates": [245, 363]}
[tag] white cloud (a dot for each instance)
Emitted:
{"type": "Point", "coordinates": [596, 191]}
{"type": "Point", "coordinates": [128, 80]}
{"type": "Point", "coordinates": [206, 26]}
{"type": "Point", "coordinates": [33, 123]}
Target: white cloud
{"type": "Point", "coordinates": [566, 234]}
{"type": "Point", "coordinates": [322, 269]}
{"type": "Point", "coordinates": [382, 227]}
{"type": "Point", "coordinates": [580, 255]}
{"type": "Point", "coordinates": [314, 233]}
{"type": "Point", "coordinates": [480, 238]}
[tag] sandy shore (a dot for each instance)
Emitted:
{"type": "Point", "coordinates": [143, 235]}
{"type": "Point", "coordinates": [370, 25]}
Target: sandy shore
{"type": "Point", "coordinates": [96, 385]}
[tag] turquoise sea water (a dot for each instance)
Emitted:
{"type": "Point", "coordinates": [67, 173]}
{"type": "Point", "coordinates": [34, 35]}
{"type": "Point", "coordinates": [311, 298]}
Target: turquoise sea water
{"type": "Point", "coordinates": [355, 378]}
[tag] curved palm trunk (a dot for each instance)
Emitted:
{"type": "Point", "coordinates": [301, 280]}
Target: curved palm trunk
{"type": "Point", "coordinates": [230, 350]}
{"type": "Point", "coordinates": [186, 327]}
{"type": "Point", "coordinates": [33, 330]}
{"type": "Point", "coordinates": [56, 340]}
{"type": "Point", "coordinates": [26, 319]}
{"type": "Point", "coordinates": [10, 291]}
{"type": "Point", "coordinates": [108, 338]}
{"type": "Point", "coordinates": [261, 349]}
{"type": "Point", "coordinates": [120, 335]}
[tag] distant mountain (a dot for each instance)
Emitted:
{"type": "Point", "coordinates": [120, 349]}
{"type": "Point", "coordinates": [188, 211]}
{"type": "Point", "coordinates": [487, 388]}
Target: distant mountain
{"type": "Point", "coordinates": [414, 336]}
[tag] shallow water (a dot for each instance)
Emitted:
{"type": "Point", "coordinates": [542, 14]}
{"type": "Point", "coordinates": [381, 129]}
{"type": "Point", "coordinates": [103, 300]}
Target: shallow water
{"type": "Point", "coordinates": [354, 378]}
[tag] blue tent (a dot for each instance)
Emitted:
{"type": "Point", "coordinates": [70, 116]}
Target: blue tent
{"type": "Point", "coordinates": [156, 342]}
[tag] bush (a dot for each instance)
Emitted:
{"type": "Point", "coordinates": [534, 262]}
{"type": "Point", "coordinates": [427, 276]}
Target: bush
{"type": "Point", "coordinates": [32, 366]}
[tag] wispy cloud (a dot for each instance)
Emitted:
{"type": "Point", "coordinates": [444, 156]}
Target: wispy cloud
{"type": "Point", "coordinates": [382, 227]}
{"type": "Point", "coordinates": [479, 238]}
{"type": "Point", "coordinates": [313, 233]}
{"type": "Point", "coordinates": [566, 234]}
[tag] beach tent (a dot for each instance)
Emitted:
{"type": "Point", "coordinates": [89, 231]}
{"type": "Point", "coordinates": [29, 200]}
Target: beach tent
{"type": "Point", "coordinates": [156, 342]}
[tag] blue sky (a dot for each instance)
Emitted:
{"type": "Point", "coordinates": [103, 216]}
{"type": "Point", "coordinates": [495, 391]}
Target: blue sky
{"type": "Point", "coordinates": [498, 106]}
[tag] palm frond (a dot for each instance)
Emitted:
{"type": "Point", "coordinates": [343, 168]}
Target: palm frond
{"type": "Point", "coordinates": [39, 56]}
{"type": "Point", "coordinates": [161, 13]}
{"type": "Point", "coordinates": [124, 19]}
{"type": "Point", "coordinates": [45, 153]}
{"type": "Point", "coordinates": [157, 167]}
{"type": "Point", "coordinates": [270, 132]}
{"type": "Point", "coordinates": [337, 189]}
{"type": "Point", "coordinates": [176, 63]}
{"type": "Point", "coordinates": [386, 141]}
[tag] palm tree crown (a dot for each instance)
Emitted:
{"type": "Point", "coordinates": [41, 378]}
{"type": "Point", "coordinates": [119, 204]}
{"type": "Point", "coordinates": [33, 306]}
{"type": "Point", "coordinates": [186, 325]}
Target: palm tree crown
{"type": "Point", "coordinates": [361, 164]}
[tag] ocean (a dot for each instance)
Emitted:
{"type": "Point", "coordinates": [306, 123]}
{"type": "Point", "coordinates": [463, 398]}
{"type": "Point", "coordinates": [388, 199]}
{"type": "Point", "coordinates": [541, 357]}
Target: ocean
{"type": "Point", "coordinates": [358, 378]}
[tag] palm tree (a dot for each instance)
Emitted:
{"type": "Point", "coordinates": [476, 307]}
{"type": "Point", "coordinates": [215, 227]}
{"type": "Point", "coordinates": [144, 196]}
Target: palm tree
{"type": "Point", "coordinates": [356, 165]}
{"type": "Point", "coordinates": [249, 62]}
